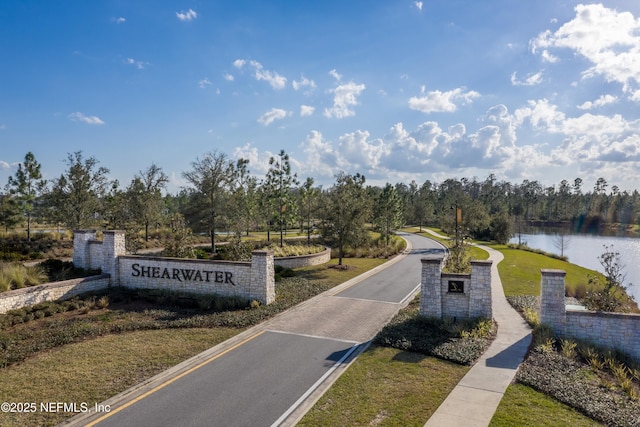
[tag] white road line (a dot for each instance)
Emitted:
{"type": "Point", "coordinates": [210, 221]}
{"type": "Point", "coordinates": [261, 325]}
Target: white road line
{"type": "Point", "coordinates": [365, 300]}
{"type": "Point", "coordinates": [411, 295]}
{"type": "Point", "coordinates": [314, 387]}
{"type": "Point", "coordinates": [320, 337]}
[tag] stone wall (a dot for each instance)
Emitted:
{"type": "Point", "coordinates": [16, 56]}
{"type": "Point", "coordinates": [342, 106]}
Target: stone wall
{"type": "Point", "coordinates": [92, 254]}
{"type": "Point", "coordinates": [304, 260]}
{"type": "Point", "coordinates": [253, 280]}
{"type": "Point", "coordinates": [455, 295]}
{"type": "Point", "coordinates": [67, 289]}
{"type": "Point", "coordinates": [619, 331]}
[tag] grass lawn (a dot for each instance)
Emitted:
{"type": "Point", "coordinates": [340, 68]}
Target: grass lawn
{"type": "Point", "coordinates": [94, 370]}
{"type": "Point", "coordinates": [386, 386]}
{"type": "Point", "coordinates": [520, 272]}
{"type": "Point", "coordinates": [524, 407]}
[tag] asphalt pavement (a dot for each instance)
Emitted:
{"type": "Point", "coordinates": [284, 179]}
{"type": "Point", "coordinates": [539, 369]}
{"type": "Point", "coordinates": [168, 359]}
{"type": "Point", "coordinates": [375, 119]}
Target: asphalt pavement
{"type": "Point", "coordinates": [272, 373]}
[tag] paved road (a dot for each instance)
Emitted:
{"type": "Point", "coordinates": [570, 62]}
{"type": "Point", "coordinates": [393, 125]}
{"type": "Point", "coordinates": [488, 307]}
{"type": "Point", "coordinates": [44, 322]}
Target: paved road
{"type": "Point", "coordinates": [270, 374]}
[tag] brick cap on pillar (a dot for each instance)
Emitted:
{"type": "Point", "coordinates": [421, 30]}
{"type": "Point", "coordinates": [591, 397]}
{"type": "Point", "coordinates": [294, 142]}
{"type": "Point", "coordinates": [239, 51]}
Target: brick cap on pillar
{"type": "Point", "coordinates": [262, 252]}
{"type": "Point", "coordinates": [553, 272]}
{"type": "Point", "coordinates": [114, 232]}
{"type": "Point", "coordinates": [481, 262]}
{"type": "Point", "coordinates": [432, 259]}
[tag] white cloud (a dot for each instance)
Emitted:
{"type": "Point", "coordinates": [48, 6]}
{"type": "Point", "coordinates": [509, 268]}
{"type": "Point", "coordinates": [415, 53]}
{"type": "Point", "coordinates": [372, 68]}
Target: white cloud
{"type": "Point", "coordinates": [548, 57]}
{"type": "Point", "coordinates": [418, 4]}
{"type": "Point", "coordinates": [229, 77]}
{"type": "Point", "coordinates": [333, 73]}
{"type": "Point", "coordinates": [138, 64]}
{"type": "Point", "coordinates": [345, 96]}
{"type": "Point", "coordinates": [585, 140]}
{"type": "Point", "coordinates": [609, 39]}
{"type": "Point", "coordinates": [591, 145]}
{"type": "Point", "coordinates": [187, 16]}
{"type": "Point", "coordinates": [603, 100]}
{"type": "Point", "coordinates": [274, 79]}
{"type": "Point", "coordinates": [322, 159]}
{"type": "Point", "coordinates": [531, 79]}
{"type": "Point", "coordinates": [91, 120]}
{"type": "Point", "coordinates": [403, 154]}
{"type": "Point", "coordinates": [302, 83]}
{"type": "Point", "coordinates": [4, 165]}
{"type": "Point", "coordinates": [272, 115]}
{"type": "Point", "coordinates": [436, 101]}
{"type": "Point", "coordinates": [204, 83]}
{"type": "Point", "coordinates": [119, 20]}
{"type": "Point", "coordinates": [259, 163]}
{"type": "Point", "coordinates": [361, 151]}
{"type": "Point", "coordinates": [306, 110]}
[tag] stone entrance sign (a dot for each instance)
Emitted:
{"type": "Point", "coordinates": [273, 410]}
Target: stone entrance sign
{"type": "Point", "coordinates": [253, 280]}
{"type": "Point", "coordinates": [461, 296]}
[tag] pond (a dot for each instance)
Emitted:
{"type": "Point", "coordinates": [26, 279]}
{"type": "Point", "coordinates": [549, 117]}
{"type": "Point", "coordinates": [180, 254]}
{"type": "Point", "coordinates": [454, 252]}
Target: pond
{"type": "Point", "coordinates": [584, 250]}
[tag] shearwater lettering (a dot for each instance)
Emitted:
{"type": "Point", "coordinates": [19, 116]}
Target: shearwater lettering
{"type": "Point", "coordinates": [182, 274]}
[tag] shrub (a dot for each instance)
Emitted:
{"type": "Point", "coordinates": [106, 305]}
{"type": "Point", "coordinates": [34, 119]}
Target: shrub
{"type": "Point", "coordinates": [461, 342]}
{"type": "Point", "coordinates": [373, 248]}
{"type": "Point", "coordinates": [18, 276]}
{"type": "Point", "coordinates": [576, 384]}
{"type": "Point", "coordinates": [236, 250]}
{"type": "Point", "coordinates": [568, 348]}
{"type": "Point", "coordinates": [459, 259]}
{"type": "Point", "coordinates": [283, 272]}
{"type": "Point", "coordinates": [102, 302]}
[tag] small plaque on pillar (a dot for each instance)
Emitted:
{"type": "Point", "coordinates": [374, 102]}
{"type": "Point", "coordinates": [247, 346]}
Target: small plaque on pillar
{"type": "Point", "coordinates": [456, 286]}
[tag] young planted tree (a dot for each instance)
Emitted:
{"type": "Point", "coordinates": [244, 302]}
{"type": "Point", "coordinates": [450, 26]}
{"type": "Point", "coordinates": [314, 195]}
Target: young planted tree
{"type": "Point", "coordinates": [609, 295]}
{"type": "Point", "coordinates": [145, 197]}
{"type": "Point", "coordinates": [387, 211]}
{"type": "Point", "coordinates": [26, 185]}
{"type": "Point", "coordinates": [244, 199]}
{"type": "Point", "coordinates": [75, 197]}
{"type": "Point", "coordinates": [307, 198]}
{"type": "Point", "coordinates": [278, 185]}
{"type": "Point", "coordinates": [10, 214]}
{"type": "Point", "coordinates": [211, 177]}
{"type": "Point", "coordinates": [347, 209]}
{"type": "Point", "coordinates": [561, 241]}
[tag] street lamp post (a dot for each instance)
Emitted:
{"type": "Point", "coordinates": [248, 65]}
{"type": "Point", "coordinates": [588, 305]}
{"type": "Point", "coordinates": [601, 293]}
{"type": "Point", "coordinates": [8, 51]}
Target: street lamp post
{"type": "Point", "coordinates": [458, 221]}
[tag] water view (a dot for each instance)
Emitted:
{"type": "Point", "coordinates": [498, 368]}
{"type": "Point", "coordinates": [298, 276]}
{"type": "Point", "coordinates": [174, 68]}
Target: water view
{"type": "Point", "coordinates": [584, 250]}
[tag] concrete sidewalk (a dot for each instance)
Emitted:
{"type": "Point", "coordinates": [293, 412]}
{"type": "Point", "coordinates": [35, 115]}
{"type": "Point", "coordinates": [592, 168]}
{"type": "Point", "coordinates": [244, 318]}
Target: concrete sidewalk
{"type": "Point", "coordinates": [477, 396]}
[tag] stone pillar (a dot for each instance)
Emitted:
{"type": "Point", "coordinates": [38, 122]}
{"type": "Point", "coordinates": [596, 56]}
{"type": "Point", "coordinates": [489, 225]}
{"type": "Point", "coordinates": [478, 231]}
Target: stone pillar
{"type": "Point", "coordinates": [81, 254]}
{"type": "Point", "coordinates": [480, 289]}
{"type": "Point", "coordinates": [263, 286]}
{"type": "Point", "coordinates": [113, 246]}
{"type": "Point", "coordinates": [431, 287]}
{"type": "Point", "coordinates": [552, 305]}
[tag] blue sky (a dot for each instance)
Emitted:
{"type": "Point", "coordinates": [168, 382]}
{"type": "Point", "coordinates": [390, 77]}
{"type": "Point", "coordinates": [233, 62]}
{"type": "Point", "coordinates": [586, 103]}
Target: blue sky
{"type": "Point", "coordinates": [395, 90]}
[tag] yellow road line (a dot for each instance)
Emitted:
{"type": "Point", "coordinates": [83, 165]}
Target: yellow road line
{"type": "Point", "coordinates": [177, 377]}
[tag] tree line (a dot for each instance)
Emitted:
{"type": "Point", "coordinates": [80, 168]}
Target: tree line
{"type": "Point", "coordinates": [223, 195]}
